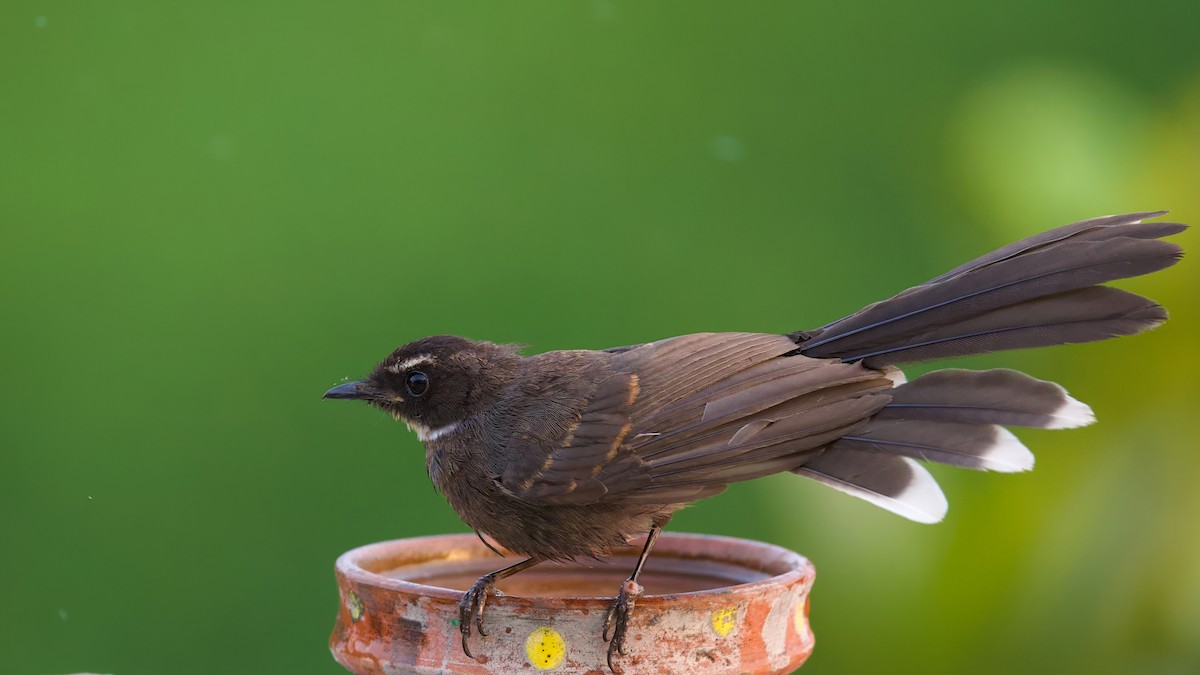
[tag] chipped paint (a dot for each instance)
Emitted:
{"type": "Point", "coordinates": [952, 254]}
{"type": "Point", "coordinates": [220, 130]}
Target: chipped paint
{"type": "Point", "coordinates": [777, 626]}
{"type": "Point", "coordinates": [800, 618]}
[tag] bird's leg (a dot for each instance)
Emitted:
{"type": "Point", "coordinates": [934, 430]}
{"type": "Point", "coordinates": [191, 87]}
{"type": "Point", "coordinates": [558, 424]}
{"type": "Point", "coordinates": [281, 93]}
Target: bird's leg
{"type": "Point", "coordinates": [622, 606]}
{"type": "Point", "coordinates": [470, 608]}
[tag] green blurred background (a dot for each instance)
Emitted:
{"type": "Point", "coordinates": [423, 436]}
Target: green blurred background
{"type": "Point", "coordinates": [214, 211]}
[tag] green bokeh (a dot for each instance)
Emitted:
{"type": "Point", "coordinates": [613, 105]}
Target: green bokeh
{"type": "Point", "coordinates": [213, 211]}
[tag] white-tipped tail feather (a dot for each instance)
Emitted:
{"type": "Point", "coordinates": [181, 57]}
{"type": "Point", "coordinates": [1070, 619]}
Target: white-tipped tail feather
{"type": "Point", "coordinates": [1007, 454]}
{"type": "Point", "coordinates": [1072, 414]}
{"type": "Point", "coordinates": [1000, 396]}
{"type": "Point", "coordinates": [897, 484]}
{"type": "Point", "coordinates": [896, 375]}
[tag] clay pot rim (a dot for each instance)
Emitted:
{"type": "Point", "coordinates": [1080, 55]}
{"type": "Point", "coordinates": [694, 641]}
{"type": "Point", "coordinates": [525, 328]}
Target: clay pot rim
{"type": "Point", "coordinates": [781, 565]}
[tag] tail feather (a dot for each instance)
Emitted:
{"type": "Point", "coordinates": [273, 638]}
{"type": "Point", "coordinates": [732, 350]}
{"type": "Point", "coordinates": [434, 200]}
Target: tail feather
{"type": "Point", "coordinates": [1105, 227]}
{"type": "Point", "coordinates": [998, 396]}
{"type": "Point", "coordinates": [1083, 315]}
{"type": "Point", "coordinates": [982, 447]}
{"type": "Point", "coordinates": [1010, 298]}
{"type": "Point", "coordinates": [895, 483]}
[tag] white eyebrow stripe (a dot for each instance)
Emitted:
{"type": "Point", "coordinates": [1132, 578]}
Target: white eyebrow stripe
{"type": "Point", "coordinates": [409, 363]}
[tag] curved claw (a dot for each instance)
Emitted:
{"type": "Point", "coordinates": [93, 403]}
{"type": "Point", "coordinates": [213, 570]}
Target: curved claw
{"type": "Point", "coordinates": [617, 646]}
{"type": "Point", "coordinates": [464, 623]}
{"type": "Point", "coordinates": [470, 609]}
{"type": "Point", "coordinates": [466, 649]}
{"type": "Point", "coordinates": [614, 669]}
{"type": "Point", "coordinates": [617, 618]}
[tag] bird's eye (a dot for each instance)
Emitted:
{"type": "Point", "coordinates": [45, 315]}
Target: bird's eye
{"type": "Point", "coordinates": [417, 383]}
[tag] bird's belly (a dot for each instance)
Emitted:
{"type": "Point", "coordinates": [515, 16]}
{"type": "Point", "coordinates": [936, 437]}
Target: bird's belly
{"type": "Point", "coordinates": [569, 531]}
{"type": "Point", "coordinates": [556, 531]}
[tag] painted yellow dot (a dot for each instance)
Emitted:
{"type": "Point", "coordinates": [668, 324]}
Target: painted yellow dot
{"type": "Point", "coordinates": [355, 605]}
{"type": "Point", "coordinates": [724, 620]}
{"type": "Point", "coordinates": [545, 648]}
{"type": "Point", "coordinates": [800, 618]}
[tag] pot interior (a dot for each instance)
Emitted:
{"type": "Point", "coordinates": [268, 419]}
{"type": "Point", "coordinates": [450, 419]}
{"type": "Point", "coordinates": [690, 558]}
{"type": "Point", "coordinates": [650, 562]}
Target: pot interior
{"type": "Point", "coordinates": [668, 571]}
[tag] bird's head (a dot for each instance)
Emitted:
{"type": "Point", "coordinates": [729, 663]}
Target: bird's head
{"type": "Point", "coordinates": [435, 382]}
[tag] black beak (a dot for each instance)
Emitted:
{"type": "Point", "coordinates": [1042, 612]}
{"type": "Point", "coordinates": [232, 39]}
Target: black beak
{"type": "Point", "coordinates": [358, 390]}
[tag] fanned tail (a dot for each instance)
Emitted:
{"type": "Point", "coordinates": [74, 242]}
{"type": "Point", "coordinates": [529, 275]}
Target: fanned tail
{"type": "Point", "coordinates": [1041, 291]}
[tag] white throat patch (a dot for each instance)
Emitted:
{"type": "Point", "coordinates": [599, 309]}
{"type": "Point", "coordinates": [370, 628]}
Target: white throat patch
{"type": "Point", "coordinates": [427, 434]}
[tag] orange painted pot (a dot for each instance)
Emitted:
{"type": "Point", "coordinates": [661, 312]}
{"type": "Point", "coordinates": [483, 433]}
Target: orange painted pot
{"type": "Point", "coordinates": [713, 605]}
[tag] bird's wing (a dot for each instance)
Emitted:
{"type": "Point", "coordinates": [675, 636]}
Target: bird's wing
{"type": "Point", "coordinates": [677, 420]}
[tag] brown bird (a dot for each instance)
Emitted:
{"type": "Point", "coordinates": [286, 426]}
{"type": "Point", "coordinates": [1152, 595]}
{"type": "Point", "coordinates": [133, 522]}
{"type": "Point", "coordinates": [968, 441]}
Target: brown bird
{"type": "Point", "coordinates": [570, 454]}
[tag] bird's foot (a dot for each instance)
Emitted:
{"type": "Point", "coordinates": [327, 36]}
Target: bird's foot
{"type": "Point", "coordinates": [618, 620]}
{"type": "Point", "coordinates": [470, 609]}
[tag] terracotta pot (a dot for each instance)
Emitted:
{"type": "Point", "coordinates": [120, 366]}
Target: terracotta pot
{"type": "Point", "coordinates": [713, 605]}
